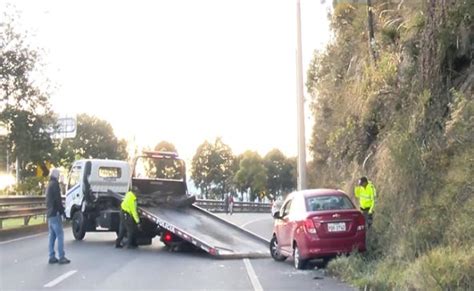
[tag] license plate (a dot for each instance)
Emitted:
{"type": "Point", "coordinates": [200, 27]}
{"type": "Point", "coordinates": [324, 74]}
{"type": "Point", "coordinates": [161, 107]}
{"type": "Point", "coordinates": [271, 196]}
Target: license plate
{"type": "Point", "coordinates": [335, 227]}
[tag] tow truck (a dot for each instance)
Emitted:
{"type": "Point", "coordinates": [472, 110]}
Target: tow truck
{"type": "Point", "coordinates": [96, 188]}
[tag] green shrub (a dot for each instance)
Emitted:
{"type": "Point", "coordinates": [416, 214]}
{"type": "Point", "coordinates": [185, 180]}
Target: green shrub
{"type": "Point", "coordinates": [347, 268]}
{"type": "Point", "coordinates": [31, 186]}
{"type": "Point", "coordinates": [442, 269]}
{"type": "Point", "coordinates": [368, 274]}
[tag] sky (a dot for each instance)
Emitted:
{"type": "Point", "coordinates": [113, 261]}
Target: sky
{"type": "Point", "coordinates": [180, 71]}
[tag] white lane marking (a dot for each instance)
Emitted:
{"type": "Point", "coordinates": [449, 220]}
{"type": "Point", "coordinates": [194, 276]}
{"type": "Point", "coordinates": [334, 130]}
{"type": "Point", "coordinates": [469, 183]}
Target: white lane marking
{"type": "Point", "coordinates": [21, 238]}
{"type": "Point", "coordinates": [253, 221]}
{"type": "Point", "coordinates": [59, 279]}
{"type": "Point", "coordinates": [253, 277]}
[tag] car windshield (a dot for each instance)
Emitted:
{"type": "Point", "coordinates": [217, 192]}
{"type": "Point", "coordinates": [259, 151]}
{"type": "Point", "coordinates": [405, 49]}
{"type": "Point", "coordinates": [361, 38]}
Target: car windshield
{"type": "Point", "coordinates": [328, 202]}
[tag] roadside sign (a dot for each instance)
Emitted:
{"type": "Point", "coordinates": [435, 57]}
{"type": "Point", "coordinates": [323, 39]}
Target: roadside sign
{"type": "Point", "coordinates": [66, 128]}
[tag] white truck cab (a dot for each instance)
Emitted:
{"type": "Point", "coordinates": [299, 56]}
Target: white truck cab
{"type": "Point", "coordinates": [91, 187]}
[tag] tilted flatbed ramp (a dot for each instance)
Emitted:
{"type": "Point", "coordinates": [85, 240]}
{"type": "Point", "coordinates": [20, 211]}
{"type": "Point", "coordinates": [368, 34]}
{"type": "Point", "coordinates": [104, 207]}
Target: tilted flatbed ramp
{"type": "Point", "coordinates": [209, 232]}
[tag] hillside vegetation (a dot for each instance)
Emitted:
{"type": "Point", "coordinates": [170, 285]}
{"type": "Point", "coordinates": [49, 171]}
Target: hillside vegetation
{"type": "Point", "coordinates": [405, 119]}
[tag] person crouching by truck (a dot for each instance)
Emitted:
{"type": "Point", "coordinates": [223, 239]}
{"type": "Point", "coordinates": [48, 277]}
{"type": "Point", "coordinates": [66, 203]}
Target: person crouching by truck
{"type": "Point", "coordinates": [129, 220]}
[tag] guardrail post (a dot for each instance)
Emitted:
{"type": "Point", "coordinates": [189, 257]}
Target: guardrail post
{"type": "Point", "coordinates": [26, 220]}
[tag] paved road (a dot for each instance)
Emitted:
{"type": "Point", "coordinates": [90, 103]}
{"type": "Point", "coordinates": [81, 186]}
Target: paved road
{"type": "Point", "coordinates": [96, 264]}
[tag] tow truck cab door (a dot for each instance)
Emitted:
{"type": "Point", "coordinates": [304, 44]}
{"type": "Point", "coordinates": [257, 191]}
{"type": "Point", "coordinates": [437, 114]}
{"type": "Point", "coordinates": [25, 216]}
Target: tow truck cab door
{"type": "Point", "coordinates": [74, 191]}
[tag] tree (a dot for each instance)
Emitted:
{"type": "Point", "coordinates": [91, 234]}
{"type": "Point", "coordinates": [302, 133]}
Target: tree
{"type": "Point", "coordinates": [213, 168]}
{"type": "Point", "coordinates": [95, 139]}
{"type": "Point", "coordinates": [280, 173]}
{"type": "Point", "coordinates": [24, 106]}
{"type": "Point", "coordinates": [162, 167]}
{"type": "Point", "coordinates": [165, 146]}
{"type": "Point", "coordinates": [222, 173]}
{"type": "Point", "coordinates": [200, 167]}
{"type": "Point", "coordinates": [252, 175]}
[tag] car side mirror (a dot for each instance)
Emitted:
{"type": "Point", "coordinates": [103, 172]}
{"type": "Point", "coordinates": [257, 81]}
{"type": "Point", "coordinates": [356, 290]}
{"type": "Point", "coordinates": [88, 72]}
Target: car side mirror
{"type": "Point", "coordinates": [277, 215]}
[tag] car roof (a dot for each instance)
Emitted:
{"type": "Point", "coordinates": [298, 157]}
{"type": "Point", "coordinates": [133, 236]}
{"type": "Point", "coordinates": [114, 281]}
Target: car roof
{"type": "Point", "coordinates": [321, 192]}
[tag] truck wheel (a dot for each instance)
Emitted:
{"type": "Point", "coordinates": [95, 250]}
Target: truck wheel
{"type": "Point", "coordinates": [78, 225]}
{"type": "Point", "coordinates": [274, 251]}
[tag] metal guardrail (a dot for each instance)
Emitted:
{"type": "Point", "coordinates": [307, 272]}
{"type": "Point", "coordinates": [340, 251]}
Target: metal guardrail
{"type": "Point", "coordinates": [27, 207]}
{"type": "Point", "coordinates": [219, 206]}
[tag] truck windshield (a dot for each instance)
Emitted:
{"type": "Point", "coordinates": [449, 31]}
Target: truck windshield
{"type": "Point", "coordinates": [159, 168]}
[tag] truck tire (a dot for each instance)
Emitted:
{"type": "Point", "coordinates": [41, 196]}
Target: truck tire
{"type": "Point", "coordinates": [78, 229]}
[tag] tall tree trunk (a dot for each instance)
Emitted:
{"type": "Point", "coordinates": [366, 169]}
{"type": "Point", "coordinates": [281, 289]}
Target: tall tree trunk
{"type": "Point", "coordinates": [370, 26]}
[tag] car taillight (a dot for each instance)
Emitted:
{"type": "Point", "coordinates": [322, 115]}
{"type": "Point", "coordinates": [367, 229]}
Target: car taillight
{"type": "Point", "coordinates": [167, 237]}
{"type": "Point", "coordinates": [309, 226]}
{"type": "Point", "coordinates": [360, 222]}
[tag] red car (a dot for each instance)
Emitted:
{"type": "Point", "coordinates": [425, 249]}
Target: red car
{"type": "Point", "coordinates": [316, 224]}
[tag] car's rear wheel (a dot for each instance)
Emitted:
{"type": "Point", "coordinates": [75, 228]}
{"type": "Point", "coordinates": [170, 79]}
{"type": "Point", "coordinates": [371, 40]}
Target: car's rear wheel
{"type": "Point", "coordinates": [274, 251]}
{"type": "Point", "coordinates": [300, 264]}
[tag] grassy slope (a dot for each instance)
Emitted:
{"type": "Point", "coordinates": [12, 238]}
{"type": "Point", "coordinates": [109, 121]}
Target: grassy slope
{"type": "Point", "coordinates": [410, 118]}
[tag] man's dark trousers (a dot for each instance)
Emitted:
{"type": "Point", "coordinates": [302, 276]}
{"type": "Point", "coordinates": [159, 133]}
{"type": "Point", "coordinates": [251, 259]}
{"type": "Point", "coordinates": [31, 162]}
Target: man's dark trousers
{"type": "Point", "coordinates": [127, 228]}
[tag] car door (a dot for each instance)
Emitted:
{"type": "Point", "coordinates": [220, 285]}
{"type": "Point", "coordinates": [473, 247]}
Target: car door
{"type": "Point", "coordinates": [284, 227]}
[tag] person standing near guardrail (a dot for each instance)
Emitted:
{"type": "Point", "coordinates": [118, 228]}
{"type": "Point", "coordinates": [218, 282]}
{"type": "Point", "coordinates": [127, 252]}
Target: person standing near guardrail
{"type": "Point", "coordinates": [55, 211]}
{"type": "Point", "coordinates": [231, 204]}
{"type": "Point", "coordinates": [226, 203]}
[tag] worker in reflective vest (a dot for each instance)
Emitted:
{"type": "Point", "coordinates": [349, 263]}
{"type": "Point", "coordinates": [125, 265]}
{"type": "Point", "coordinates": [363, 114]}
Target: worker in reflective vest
{"type": "Point", "coordinates": [366, 194]}
{"type": "Point", "coordinates": [129, 220]}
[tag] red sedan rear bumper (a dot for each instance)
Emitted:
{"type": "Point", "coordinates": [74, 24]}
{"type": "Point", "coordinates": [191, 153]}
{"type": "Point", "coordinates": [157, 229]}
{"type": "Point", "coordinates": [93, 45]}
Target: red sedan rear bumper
{"type": "Point", "coordinates": [311, 246]}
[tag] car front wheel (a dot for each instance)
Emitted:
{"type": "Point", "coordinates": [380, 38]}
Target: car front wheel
{"type": "Point", "coordinates": [274, 251]}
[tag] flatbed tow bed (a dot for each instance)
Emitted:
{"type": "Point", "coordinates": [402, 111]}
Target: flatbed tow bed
{"type": "Point", "coordinates": [208, 232]}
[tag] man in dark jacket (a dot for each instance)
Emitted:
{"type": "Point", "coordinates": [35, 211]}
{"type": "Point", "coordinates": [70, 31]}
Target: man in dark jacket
{"type": "Point", "coordinates": [55, 211]}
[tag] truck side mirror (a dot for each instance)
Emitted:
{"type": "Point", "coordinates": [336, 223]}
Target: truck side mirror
{"type": "Point", "coordinates": [277, 215]}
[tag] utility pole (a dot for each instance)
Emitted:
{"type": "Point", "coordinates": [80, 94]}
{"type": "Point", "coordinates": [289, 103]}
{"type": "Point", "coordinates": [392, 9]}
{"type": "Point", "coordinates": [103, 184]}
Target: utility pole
{"type": "Point", "coordinates": [300, 103]}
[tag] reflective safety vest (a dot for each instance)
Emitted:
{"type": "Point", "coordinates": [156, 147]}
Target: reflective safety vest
{"type": "Point", "coordinates": [366, 196]}
{"type": "Point", "coordinates": [129, 205]}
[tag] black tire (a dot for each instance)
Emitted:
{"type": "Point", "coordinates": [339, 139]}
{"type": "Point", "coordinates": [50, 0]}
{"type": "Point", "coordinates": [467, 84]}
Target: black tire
{"type": "Point", "coordinates": [274, 251]}
{"type": "Point", "coordinates": [299, 263]}
{"type": "Point", "coordinates": [323, 263]}
{"type": "Point", "coordinates": [77, 226]}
